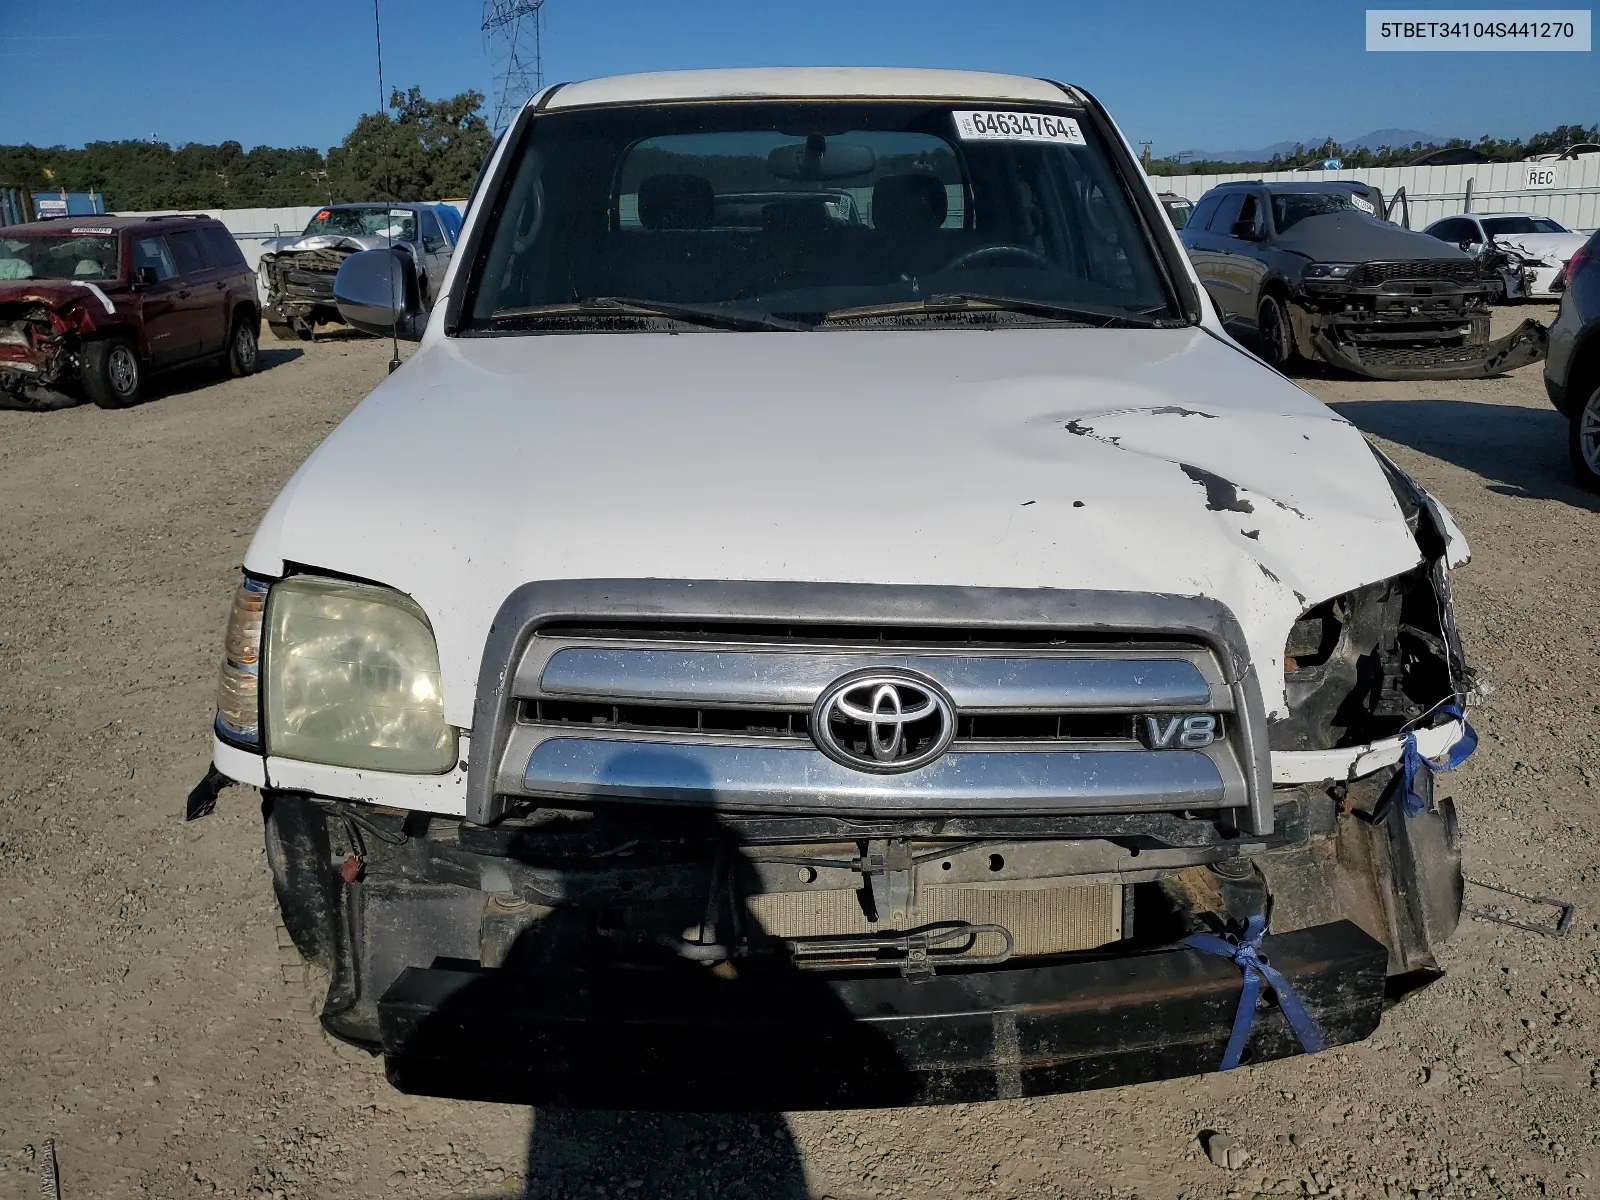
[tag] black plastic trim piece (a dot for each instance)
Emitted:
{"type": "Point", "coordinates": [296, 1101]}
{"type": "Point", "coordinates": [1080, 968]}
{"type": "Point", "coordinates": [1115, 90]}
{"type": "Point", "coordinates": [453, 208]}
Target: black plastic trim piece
{"type": "Point", "coordinates": [683, 1039]}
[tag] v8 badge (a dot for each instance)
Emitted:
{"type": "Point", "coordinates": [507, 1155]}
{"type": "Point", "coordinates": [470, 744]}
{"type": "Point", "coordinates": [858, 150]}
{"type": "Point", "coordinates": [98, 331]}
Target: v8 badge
{"type": "Point", "coordinates": [1178, 732]}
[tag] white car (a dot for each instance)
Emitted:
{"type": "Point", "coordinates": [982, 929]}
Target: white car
{"type": "Point", "coordinates": [845, 654]}
{"type": "Point", "coordinates": [1541, 244]}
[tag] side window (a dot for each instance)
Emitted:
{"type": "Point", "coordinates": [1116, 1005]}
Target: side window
{"type": "Point", "coordinates": [452, 221]}
{"type": "Point", "coordinates": [1227, 213]}
{"type": "Point", "coordinates": [224, 250]}
{"type": "Point", "coordinates": [152, 252]}
{"type": "Point", "coordinates": [431, 235]}
{"type": "Point", "coordinates": [188, 251]}
{"type": "Point", "coordinates": [1250, 211]}
{"type": "Point", "coordinates": [1201, 218]}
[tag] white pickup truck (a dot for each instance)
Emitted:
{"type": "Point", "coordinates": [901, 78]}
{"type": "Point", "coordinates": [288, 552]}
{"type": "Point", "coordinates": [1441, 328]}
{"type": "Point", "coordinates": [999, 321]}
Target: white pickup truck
{"type": "Point", "coordinates": [827, 617]}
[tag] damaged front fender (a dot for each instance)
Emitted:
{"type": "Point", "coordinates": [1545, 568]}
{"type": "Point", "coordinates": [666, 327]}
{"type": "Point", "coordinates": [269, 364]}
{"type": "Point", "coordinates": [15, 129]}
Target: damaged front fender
{"type": "Point", "coordinates": [1366, 669]}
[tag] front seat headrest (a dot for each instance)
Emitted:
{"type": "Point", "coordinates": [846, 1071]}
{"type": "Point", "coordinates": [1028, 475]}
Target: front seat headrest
{"type": "Point", "coordinates": [676, 202]}
{"type": "Point", "coordinates": [806, 214]}
{"type": "Point", "coordinates": [910, 203]}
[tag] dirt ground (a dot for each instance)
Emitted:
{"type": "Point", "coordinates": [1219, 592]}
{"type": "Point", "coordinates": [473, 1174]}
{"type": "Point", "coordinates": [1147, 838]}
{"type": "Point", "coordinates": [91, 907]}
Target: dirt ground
{"type": "Point", "coordinates": [146, 1028]}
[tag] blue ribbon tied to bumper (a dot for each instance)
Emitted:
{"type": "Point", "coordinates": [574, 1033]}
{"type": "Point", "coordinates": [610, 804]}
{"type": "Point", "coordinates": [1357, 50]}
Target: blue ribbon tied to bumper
{"type": "Point", "coordinates": [1412, 802]}
{"type": "Point", "coordinates": [1246, 954]}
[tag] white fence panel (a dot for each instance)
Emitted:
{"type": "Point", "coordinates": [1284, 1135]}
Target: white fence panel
{"type": "Point", "coordinates": [1434, 192]}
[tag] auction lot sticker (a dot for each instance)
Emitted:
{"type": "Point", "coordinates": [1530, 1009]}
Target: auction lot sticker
{"type": "Point", "coordinates": [1017, 127]}
{"type": "Point", "coordinates": [1477, 29]}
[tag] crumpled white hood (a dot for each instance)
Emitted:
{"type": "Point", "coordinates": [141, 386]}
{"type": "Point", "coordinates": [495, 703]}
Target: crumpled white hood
{"type": "Point", "coordinates": [1163, 461]}
{"type": "Point", "coordinates": [1555, 248]}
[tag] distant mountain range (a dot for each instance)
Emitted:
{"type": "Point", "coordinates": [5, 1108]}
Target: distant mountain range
{"type": "Point", "coordinates": [1368, 141]}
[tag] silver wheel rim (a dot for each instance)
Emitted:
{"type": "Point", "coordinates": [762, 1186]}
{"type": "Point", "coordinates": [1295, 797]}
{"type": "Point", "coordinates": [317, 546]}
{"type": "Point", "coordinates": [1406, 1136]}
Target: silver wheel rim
{"type": "Point", "coordinates": [123, 370]}
{"type": "Point", "coordinates": [245, 347]}
{"type": "Point", "coordinates": [1589, 433]}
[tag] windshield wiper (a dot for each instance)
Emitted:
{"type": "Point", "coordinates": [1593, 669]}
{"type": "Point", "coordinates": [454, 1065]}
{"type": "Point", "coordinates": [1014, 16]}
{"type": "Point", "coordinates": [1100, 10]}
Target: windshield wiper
{"type": "Point", "coordinates": [622, 306]}
{"type": "Point", "coordinates": [970, 304]}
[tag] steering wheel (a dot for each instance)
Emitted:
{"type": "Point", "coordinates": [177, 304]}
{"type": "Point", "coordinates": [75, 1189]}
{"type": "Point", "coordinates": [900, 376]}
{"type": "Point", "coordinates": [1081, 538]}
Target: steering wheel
{"type": "Point", "coordinates": [968, 258]}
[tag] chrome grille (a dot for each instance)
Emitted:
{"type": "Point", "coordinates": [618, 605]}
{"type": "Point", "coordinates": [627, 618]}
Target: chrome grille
{"type": "Point", "coordinates": [718, 717]}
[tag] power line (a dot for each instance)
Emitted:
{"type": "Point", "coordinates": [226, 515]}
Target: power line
{"type": "Point", "coordinates": [511, 34]}
{"type": "Point", "coordinates": [377, 27]}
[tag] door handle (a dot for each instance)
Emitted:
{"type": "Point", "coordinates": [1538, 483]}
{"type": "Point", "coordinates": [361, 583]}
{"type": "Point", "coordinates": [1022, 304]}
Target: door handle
{"type": "Point", "coordinates": [183, 295]}
{"type": "Point", "coordinates": [219, 285]}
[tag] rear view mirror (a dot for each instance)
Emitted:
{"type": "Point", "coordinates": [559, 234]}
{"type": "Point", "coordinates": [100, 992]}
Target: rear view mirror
{"type": "Point", "coordinates": [815, 159]}
{"type": "Point", "coordinates": [144, 277]}
{"type": "Point", "coordinates": [376, 291]}
{"type": "Point", "coordinates": [1246, 230]}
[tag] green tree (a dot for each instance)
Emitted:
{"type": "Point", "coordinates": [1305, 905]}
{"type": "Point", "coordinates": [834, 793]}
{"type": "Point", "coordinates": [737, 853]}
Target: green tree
{"type": "Point", "coordinates": [421, 150]}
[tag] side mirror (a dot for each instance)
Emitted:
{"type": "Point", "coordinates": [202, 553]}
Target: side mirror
{"type": "Point", "coordinates": [1246, 230]}
{"type": "Point", "coordinates": [376, 292]}
{"type": "Point", "coordinates": [144, 277]}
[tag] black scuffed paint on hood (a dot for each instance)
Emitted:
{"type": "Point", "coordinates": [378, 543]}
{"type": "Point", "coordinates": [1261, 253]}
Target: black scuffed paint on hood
{"type": "Point", "coordinates": [1222, 495]}
{"type": "Point", "coordinates": [1353, 237]}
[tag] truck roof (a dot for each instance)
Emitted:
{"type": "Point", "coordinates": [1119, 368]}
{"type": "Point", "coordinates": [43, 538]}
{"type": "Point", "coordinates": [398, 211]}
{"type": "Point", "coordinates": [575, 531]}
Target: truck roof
{"type": "Point", "coordinates": [111, 222]}
{"type": "Point", "coordinates": [762, 82]}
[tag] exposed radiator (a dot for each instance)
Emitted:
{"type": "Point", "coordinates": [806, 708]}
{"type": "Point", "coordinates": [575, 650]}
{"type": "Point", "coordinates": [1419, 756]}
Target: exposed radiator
{"type": "Point", "coordinates": [1041, 920]}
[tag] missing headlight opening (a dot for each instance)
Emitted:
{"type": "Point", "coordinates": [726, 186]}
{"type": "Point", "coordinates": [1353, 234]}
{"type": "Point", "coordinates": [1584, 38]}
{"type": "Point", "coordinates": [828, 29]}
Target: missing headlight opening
{"type": "Point", "coordinates": [1379, 660]}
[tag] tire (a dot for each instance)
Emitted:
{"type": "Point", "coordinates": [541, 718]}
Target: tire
{"type": "Point", "coordinates": [1276, 333]}
{"type": "Point", "coordinates": [1583, 442]}
{"type": "Point", "coordinates": [284, 333]}
{"type": "Point", "coordinates": [244, 352]}
{"type": "Point", "coordinates": [112, 376]}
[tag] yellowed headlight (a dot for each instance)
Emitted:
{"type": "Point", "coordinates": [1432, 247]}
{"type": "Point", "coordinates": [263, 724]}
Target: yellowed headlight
{"type": "Point", "coordinates": [351, 678]}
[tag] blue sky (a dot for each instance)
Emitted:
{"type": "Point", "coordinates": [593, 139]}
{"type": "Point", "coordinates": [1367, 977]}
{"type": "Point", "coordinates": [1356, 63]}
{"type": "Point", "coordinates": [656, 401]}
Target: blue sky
{"type": "Point", "coordinates": [1217, 76]}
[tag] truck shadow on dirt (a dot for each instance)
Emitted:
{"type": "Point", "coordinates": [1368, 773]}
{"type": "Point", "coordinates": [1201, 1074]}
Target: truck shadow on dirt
{"type": "Point", "coordinates": [662, 1155]}
{"type": "Point", "coordinates": [576, 1017]}
{"type": "Point", "coordinates": [1521, 452]}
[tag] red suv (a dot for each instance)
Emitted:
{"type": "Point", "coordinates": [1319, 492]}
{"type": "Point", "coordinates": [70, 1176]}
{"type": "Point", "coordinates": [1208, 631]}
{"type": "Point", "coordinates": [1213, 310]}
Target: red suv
{"type": "Point", "coordinates": [94, 305]}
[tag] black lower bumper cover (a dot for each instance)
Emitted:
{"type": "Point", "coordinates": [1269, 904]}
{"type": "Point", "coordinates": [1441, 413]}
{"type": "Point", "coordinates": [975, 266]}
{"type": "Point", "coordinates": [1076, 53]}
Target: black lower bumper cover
{"type": "Point", "coordinates": [1523, 346]}
{"type": "Point", "coordinates": [689, 1040]}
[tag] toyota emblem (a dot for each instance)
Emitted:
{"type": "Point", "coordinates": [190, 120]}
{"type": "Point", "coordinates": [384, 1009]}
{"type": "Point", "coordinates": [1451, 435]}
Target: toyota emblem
{"type": "Point", "coordinates": [883, 721]}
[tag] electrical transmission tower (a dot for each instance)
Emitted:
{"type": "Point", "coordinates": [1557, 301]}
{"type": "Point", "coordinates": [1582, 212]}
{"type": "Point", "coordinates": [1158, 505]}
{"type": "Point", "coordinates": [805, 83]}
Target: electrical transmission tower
{"type": "Point", "coordinates": [511, 35]}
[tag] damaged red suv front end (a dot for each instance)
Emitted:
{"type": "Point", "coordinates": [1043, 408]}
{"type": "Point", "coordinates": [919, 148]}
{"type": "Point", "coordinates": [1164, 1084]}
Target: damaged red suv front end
{"type": "Point", "coordinates": [42, 327]}
{"type": "Point", "coordinates": [90, 306]}
{"type": "Point", "coordinates": [57, 284]}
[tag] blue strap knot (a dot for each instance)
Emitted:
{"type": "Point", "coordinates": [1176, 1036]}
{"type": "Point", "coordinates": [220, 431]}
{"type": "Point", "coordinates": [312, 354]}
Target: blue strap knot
{"type": "Point", "coordinates": [1246, 954]}
{"type": "Point", "coordinates": [1412, 764]}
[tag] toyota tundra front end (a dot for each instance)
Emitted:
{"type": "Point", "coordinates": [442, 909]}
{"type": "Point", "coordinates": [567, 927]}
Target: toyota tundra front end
{"type": "Point", "coordinates": [826, 617]}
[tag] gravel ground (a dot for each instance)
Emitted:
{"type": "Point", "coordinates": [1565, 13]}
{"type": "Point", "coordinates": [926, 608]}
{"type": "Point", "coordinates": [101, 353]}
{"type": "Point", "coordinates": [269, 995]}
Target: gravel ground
{"type": "Point", "coordinates": [149, 1032]}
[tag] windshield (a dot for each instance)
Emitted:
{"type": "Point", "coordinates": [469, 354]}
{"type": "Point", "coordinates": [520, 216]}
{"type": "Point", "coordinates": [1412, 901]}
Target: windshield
{"type": "Point", "coordinates": [1510, 226]}
{"type": "Point", "coordinates": [83, 257]}
{"type": "Point", "coordinates": [789, 211]}
{"type": "Point", "coordinates": [1290, 208]}
{"type": "Point", "coordinates": [399, 223]}
{"type": "Point", "coordinates": [1178, 212]}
